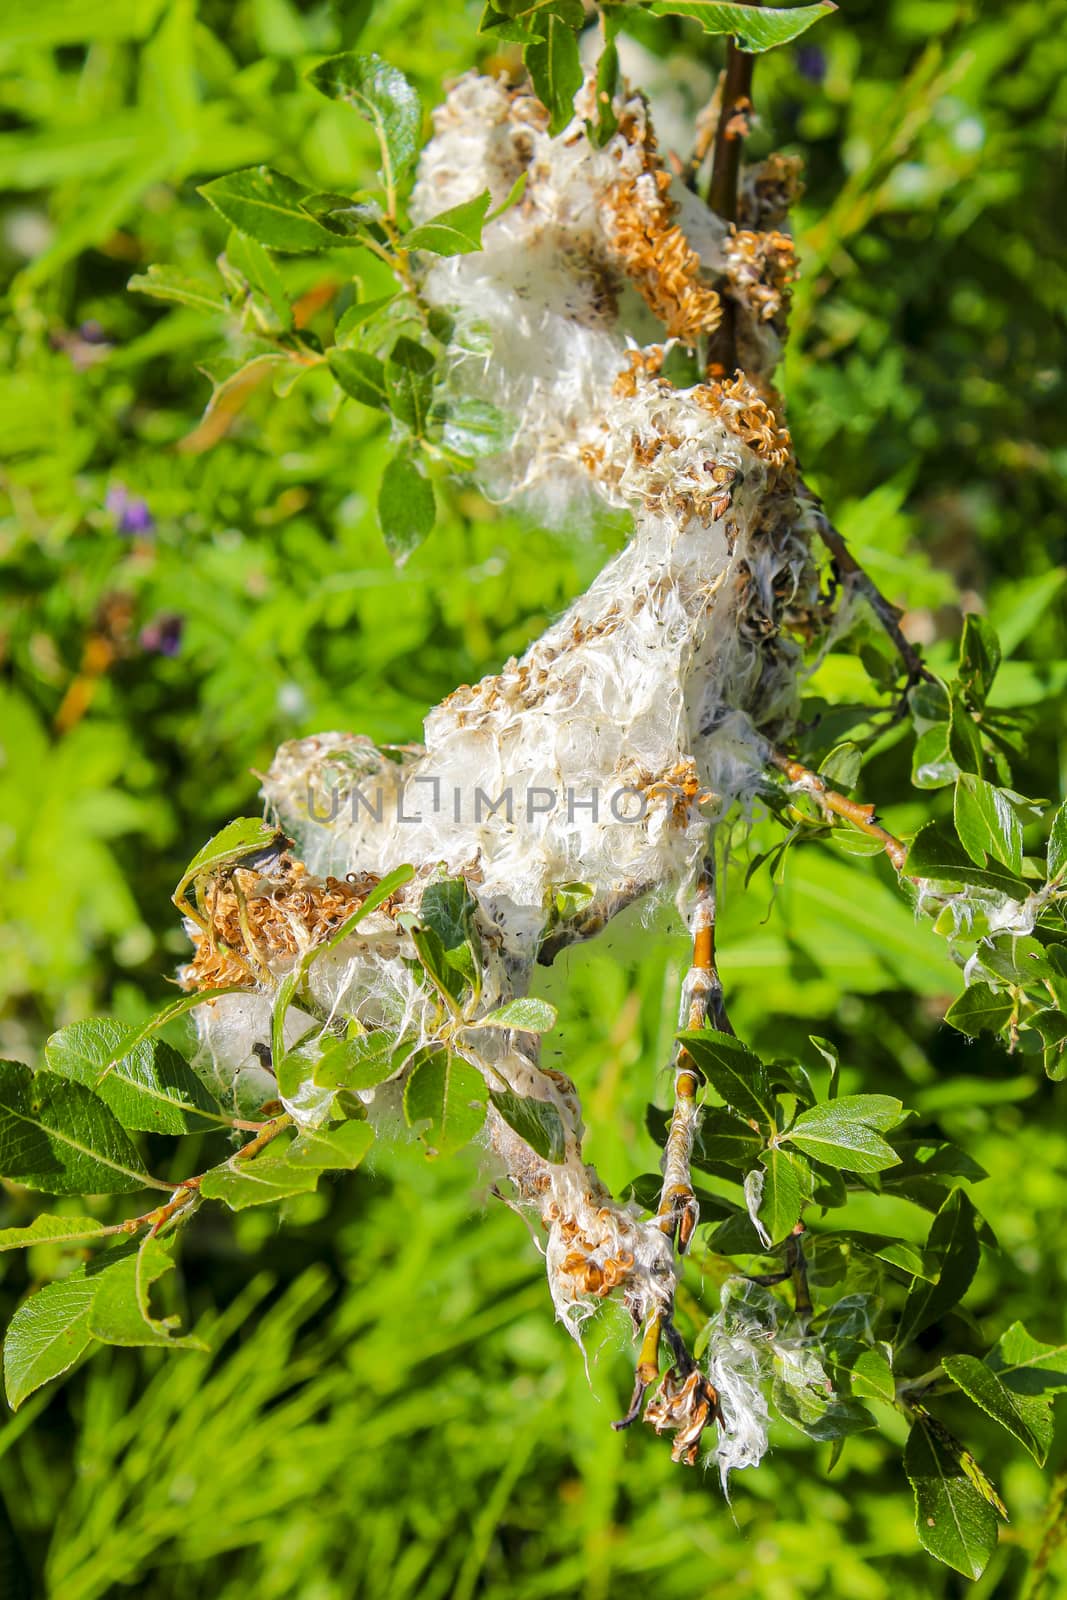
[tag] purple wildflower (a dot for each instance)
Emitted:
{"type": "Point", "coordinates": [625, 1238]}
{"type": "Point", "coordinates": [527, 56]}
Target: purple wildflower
{"type": "Point", "coordinates": [163, 635]}
{"type": "Point", "coordinates": [131, 514]}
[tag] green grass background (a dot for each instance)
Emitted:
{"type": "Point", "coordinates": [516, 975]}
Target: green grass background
{"type": "Point", "coordinates": [389, 1409]}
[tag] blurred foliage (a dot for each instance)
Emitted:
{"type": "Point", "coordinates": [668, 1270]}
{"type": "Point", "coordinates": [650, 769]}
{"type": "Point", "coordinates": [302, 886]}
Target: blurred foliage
{"type": "Point", "coordinates": [397, 1413]}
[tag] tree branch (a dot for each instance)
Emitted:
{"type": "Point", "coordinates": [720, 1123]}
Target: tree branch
{"type": "Point", "coordinates": [828, 800]}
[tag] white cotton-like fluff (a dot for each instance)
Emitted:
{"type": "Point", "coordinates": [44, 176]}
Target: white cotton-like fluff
{"type": "Point", "coordinates": [739, 1362]}
{"type": "Point", "coordinates": [601, 756]}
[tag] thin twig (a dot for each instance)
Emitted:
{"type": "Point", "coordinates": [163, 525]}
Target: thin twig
{"type": "Point", "coordinates": [854, 577]}
{"type": "Point", "coordinates": [731, 131]}
{"type": "Point", "coordinates": [839, 805]}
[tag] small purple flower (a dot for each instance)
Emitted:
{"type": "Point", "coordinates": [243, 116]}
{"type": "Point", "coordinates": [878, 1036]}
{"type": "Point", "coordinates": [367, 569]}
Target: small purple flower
{"type": "Point", "coordinates": [131, 514]}
{"type": "Point", "coordinates": [92, 332]}
{"type": "Point", "coordinates": [163, 635]}
{"type": "Point", "coordinates": [811, 62]}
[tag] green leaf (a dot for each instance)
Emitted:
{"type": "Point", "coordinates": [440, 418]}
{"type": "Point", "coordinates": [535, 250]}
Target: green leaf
{"type": "Point", "coordinates": [167, 283]}
{"type": "Point", "coordinates": [356, 315]}
{"type": "Point", "coordinates": [734, 1071]}
{"type": "Point", "coordinates": [953, 1242]}
{"type": "Point", "coordinates": [1057, 844]}
{"type": "Point", "coordinates": [361, 376]}
{"type": "Point", "coordinates": [1026, 1417]}
{"type": "Point", "coordinates": [872, 1377]}
{"type": "Point", "coordinates": [450, 1096]}
{"type": "Point", "coordinates": [56, 1136]}
{"type": "Point", "coordinates": [979, 1009]}
{"type": "Point", "coordinates": [448, 907]}
{"type": "Point", "coordinates": [782, 1198]}
{"type": "Point", "coordinates": [724, 1141]}
{"type": "Point", "coordinates": [268, 206]}
{"type": "Point", "coordinates": [987, 822]}
{"type": "Point", "coordinates": [964, 739]}
{"type": "Point", "coordinates": [407, 509]}
{"type": "Point", "coordinates": [936, 855]}
{"type": "Point", "coordinates": [48, 1229]}
{"type": "Point", "coordinates": [535, 1121]}
{"type": "Point", "coordinates": [527, 1014]}
{"type": "Point", "coordinates": [263, 1181]}
{"type": "Point", "coordinates": [755, 28]}
{"type": "Point", "coordinates": [52, 22]}
{"type": "Point", "coordinates": [121, 1312]}
{"type": "Point", "coordinates": [476, 428]}
{"type": "Point", "coordinates": [842, 1133]}
{"type": "Point", "coordinates": [149, 1087]}
{"type": "Point", "coordinates": [555, 67]}
{"type": "Point", "coordinates": [979, 658]}
{"type": "Point", "coordinates": [253, 266]}
{"type": "Point", "coordinates": [455, 232]}
{"type": "Point", "coordinates": [246, 841]}
{"type": "Point", "coordinates": [1026, 1366]}
{"type": "Point", "coordinates": [47, 1335]}
{"type": "Point", "coordinates": [384, 97]}
{"type": "Point", "coordinates": [932, 764]}
{"type": "Point", "coordinates": [954, 1520]}
{"type": "Point", "coordinates": [409, 374]}
{"type": "Point", "coordinates": [337, 1149]}
{"type": "Point", "coordinates": [355, 1064]}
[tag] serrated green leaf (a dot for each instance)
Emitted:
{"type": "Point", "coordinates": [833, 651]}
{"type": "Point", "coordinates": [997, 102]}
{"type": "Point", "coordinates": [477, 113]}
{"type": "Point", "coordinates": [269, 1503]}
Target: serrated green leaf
{"type": "Point", "coordinates": [48, 1229]}
{"type": "Point", "coordinates": [361, 376]}
{"type": "Point", "coordinates": [455, 232]}
{"type": "Point", "coordinates": [268, 207]}
{"type": "Point", "coordinates": [537, 1122]}
{"type": "Point", "coordinates": [167, 283]}
{"type": "Point", "coordinates": [555, 66]}
{"type": "Point", "coordinates": [1026, 1366]}
{"type": "Point", "coordinates": [47, 1335]}
{"type": "Point", "coordinates": [121, 1312]}
{"type": "Point", "coordinates": [337, 1149]}
{"type": "Point", "coordinates": [263, 1181]}
{"type": "Point", "coordinates": [932, 763]}
{"type": "Point", "coordinates": [979, 657]}
{"type": "Point", "coordinates": [149, 1087]}
{"type": "Point", "coordinates": [954, 1520]}
{"type": "Point", "coordinates": [407, 509]}
{"type": "Point", "coordinates": [409, 376]}
{"type": "Point", "coordinates": [936, 855]}
{"type": "Point", "coordinates": [526, 1014]}
{"type": "Point", "coordinates": [724, 1141]}
{"type": "Point", "coordinates": [755, 28]}
{"type": "Point", "coordinates": [383, 96]}
{"type": "Point", "coordinates": [782, 1198]}
{"type": "Point", "coordinates": [1026, 1417]}
{"type": "Point", "coordinates": [354, 318]}
{"type": "Point", "coordinates": [448, 1094]}
{"type": "Point", "coordinates": [979, 1009]}
{"type": "Point", "coordinates": [872, 1377]}
{"type": "Point", "coordinates": [987, 823]}
{"type": "Point", "coordinates": [734, 1071]}
{"type": "Point", "coordinates": [246, 261]}
{"type": "Point", "coordinates": [244, 841]}
{"type": "Point", "coordinates": [356, 1064]}
{"type": "Point", "coordinates": [1057, 844]}
{"type": "Point", "coordinates": [953, 1242]}
{"type": "Point", "coordinates": [57, 1136]}
{"type": "Point", "coordinates": [842, 1133]}
{"type": "Point", "coordinates": [476, 428]}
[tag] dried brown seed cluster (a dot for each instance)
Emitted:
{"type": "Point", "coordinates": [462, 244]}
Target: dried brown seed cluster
{"type": "Point", "coordinates": [683, 788]}
{"type": "Point", "coordinates": [648, 362]}
{"type": "Point", "coordinates": [254, 919]}
{"type": "Point", "coordinates": [684, 1408]}
{"type": "Point", "coordinates": [761, 268]}
{"type": "Point", "coordinates": [747, 411]}
{"type": "Point", "coordinates": [652, 249]}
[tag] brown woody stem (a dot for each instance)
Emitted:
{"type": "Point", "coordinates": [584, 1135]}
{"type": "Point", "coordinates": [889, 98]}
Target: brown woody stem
{"type": "Point", "coordinates": [854, 577]}
{"type": "Point", "coordinates": [839, 805]}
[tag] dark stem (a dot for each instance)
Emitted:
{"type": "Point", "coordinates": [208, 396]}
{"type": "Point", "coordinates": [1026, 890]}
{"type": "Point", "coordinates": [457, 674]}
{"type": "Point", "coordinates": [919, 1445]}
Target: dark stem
{"type": "Point", "coordinates": [730, 137]}
{"type": "Point", "coordinates": [731, 132]}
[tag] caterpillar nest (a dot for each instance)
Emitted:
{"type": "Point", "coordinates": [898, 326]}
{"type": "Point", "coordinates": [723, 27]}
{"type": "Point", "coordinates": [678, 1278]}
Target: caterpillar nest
{"type": "Point", "coordinates": [637, 720]}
